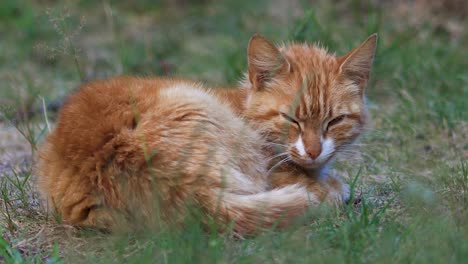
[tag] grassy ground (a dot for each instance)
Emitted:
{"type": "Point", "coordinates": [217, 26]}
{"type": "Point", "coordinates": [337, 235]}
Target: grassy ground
{"type": "Point", "coordinates": [411, 170]}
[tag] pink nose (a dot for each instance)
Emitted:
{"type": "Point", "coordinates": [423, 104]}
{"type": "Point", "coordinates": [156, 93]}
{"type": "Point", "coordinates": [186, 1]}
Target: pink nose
{"type": "Point", "coordinates": [314, 153]}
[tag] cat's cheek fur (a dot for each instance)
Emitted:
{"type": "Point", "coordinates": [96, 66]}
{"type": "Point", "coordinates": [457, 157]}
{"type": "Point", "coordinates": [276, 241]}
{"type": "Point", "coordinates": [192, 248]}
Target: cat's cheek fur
{"type": "Point", "coordinates": [328, 148]}
{"type": "Point", "coordinates": [299, 145]}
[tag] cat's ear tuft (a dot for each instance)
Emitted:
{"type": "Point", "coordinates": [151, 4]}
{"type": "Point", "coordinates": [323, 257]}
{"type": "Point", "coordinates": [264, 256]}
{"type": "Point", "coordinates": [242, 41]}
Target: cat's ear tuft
{"type": "Point", "coordinates": [356, 64]}
{"type": "Point", "coordinates": [265, 61]}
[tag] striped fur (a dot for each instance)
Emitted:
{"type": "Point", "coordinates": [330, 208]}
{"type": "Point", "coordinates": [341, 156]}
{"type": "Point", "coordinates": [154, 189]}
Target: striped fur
{"type": "Point", "coordinates": [137, 151]}
{"type": "Point", "coordinates": [309, 104]}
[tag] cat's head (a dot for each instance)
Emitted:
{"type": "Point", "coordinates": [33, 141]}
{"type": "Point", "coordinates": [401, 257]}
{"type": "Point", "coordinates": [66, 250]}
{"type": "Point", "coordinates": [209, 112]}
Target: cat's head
{"type": "Point", "coordinates": [308, 102]}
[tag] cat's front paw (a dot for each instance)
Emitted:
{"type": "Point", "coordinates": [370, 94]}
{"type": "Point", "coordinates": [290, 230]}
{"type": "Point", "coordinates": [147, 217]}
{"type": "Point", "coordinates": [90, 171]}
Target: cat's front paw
{"type": "Point", "coordinates": [338, 192]}
{"type": "Point", "coordinates": [345, 193]}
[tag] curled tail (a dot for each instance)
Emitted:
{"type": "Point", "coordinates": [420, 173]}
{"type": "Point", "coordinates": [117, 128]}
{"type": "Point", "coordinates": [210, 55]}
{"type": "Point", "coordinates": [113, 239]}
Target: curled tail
{"type": "Point", "coordinates": [251, 212]}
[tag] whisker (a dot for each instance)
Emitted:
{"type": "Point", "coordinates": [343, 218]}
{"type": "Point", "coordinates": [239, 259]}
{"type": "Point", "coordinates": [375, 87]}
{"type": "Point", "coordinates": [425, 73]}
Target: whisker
{"type": "Point", "coordinates": [278, 164]}
{"type": "Point", "coordinates": [276, 144]}
{"type": "Point", "coordinates": [277, 155]}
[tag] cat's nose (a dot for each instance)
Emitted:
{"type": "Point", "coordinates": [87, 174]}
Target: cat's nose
{"type": "Point", "coordinates": [313, 153]}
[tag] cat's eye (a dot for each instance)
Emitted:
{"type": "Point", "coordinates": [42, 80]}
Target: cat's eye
{"type": "Point", "coordinates": [290, 119]}
{"type": "Point", "coordinates": [335, 121]}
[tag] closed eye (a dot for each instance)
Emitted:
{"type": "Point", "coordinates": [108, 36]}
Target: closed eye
{"type": "Point", "coordinates": [290, 119]}
{"type": "Point", "coordinates": [335, 121]}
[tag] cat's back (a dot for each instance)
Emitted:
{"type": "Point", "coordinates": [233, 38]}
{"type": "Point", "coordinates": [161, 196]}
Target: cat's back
{"type": "Point", "coordinates": [110, 124]}
{"type": "Point", "coordinates": [102, 109]}
{"type": "Point", "coordinates": [109, 99]}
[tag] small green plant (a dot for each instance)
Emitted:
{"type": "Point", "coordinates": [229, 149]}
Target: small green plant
{"type": "Point", "coordinates": [8, 254]}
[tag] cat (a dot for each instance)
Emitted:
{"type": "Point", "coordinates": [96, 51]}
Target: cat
{"type": "Point", "coordinates": [135, 151]}
{"type": "Point", "coordinates": [310, 106]}
{"type": "Point", "coordinates": [120, 143]}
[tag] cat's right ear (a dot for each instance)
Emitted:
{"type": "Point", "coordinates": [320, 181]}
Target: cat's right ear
{"type": "Point", "coordinates": [265, 61]}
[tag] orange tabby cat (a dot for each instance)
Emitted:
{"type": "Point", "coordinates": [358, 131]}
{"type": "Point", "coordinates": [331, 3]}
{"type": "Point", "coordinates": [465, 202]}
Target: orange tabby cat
{"type": "Point", "coordinates": [139, 150]}
{"type": "Point", "coordinates": [121, 143]}
{"type": "Point", "coordinates": [309, 104]}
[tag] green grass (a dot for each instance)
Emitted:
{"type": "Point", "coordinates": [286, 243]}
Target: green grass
{"type": "Point", "coordinates": [411, 170]}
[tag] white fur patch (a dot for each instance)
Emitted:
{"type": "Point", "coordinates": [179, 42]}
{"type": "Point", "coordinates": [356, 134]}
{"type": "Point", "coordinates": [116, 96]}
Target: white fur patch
{"type": "Point", "coordinates": [354, 107]}
{"type": "Point", "coordinates": [300, 146]}
{"type": "Point", "coordinates": [327, 149]}
{"type": "Point", "coordinates": [237, 182]}
{"type": "Point", "coordinates": [185, 90]}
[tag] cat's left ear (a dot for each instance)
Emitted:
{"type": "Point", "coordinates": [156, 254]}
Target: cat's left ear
{"type": "Point", "coordinates": [265, 61]}
{"type": "Point", "coordinates": [356, 64]}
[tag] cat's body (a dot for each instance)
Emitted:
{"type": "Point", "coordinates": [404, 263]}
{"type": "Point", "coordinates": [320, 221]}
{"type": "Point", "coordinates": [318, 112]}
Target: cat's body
{"type": "Point", "coordinates": [121, 144]}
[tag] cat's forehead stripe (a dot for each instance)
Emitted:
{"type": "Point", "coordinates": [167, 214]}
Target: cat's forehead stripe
{"type": "Point", "coordinates": [308, 97]}
{"type": "Point", "coordinates": [314, 99]}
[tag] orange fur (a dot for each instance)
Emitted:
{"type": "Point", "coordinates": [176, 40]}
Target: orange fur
{"type": "Point", "coordinates": [139, 150]}
{"type": "Point", "coordinates": [300, 93]}
{"type": "Point", "coordinates": [131, 149]}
